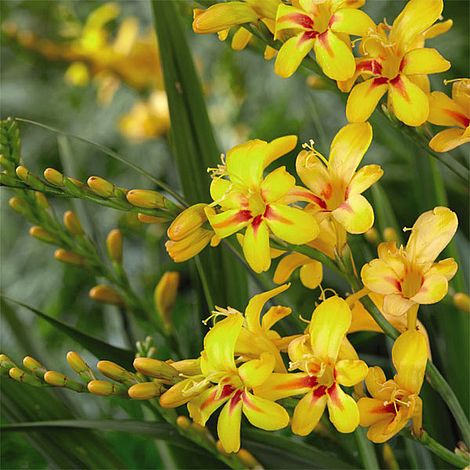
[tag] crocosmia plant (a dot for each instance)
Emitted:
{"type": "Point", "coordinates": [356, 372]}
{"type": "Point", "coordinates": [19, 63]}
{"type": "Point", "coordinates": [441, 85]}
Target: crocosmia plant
{"type": "Point", "coordinates": [259, 210]}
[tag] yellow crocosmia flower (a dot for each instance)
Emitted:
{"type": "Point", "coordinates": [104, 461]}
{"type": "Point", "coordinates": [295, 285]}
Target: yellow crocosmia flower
{"type": "Point", "coordinates": [451, 112]}
{"type": "Point", "coordinates": [410, 276]}
{"type": "Point", "coordinates": [395, 402]}
{"type": "Point", "coordinates": [393, 62]}
{"type": "Point", "coordinates": [322, 26]}
{"type": "Point", "coordinates": [224, 382]}
{"type": "Point", "coordinates": [326, 361]}
{"type": "Point", "coordinates": [336, 187]}
{"type": "Point", "coordinates": [247, 200]}
{"type": "Point", "coordinates": [187, 235]}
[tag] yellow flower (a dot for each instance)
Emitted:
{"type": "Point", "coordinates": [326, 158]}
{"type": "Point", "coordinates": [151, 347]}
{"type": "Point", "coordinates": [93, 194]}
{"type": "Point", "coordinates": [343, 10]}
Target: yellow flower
{"type": "Point", "coordinates": [454, 112]}
{"type": "Point", "coordinates": [409, 276]}
{"type": "Point", "coordinates": [224, 381]}
{"type": "Point", "coordinates": [327, 361]}
{"type": "Point", "coordinates": [187, 236]}
{"type": "Point", "coordinates": [395, 402]}
{"type": "Point", "coordinates": [336, 187]}
{"type": "Point", "coordinates": [325, 27]}
{"type": "Point", "coordinates": [311, 270]}
{"type": "Point", "coordinates": [261, 205]}
{"type": "Point", "coordinates": [395, 62]}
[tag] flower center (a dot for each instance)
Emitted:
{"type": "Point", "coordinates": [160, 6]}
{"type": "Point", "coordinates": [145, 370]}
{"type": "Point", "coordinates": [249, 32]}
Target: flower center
{"type": "Point", "coordinates": [412, 282]}
{"type": "Point", "coordinates": [256, 203]}
{"type": "Point", "coordinates": [326, 375]}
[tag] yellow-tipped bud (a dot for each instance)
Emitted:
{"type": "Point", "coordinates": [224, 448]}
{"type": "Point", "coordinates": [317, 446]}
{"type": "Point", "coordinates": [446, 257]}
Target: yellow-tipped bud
{"type": "Point", "coordinates": [41, 234]}
{"type": "Point", "coordinates": [32, 364]}
{"type": "Point", "coordinates": [187, 222]}
{"type": "Point", "coordinates": [54, 177]}
{"type": "Point", "coordinates": [145, 198]}
{"type": "Point", "coordinates": [187, 366]}
{"type": "Point", "coordinates": [372, 236]}
{"type": "Point", "coordinates": [18, 205]}
{"type": "Point", "coordinates": [100, 186]}
{"type": "Point", "coordinates": [248, 459]}
{"type": "Point", "coordinates": [6, 363]}
{"type": "Point", "coordinates": [105, 388]}
{"type": "Point", "coordinates": [105, 294]}
{"type": "Point", "coordinates": [57, 379]}
{"type": "Point", "coordinates": [390, 234]}
{"type": "Point", "coordinates": [114, 245]}
{"type": "Point", "coordinates": [165, 295]}
{"type": "Point", "coordinates": [146, 390]}
{"type": "Point", "coordinates": [22, 173]}
{"type": "Point", "coordinates": [150, 219]}
{"type": "Point", "coordinates": [72, 223]}
{"type": "Point", "coordinates": [188, 247]}
{"type": "Point", "coordinates": [183, 422]}
{"type": "Point", "coordinates": [156, 368]}
{"type": "Point", "coordinates": [23, 377]}
{"type": "Point", "coordinates": [77, 364]}
{"type": "Point", "coordinates": [41, 200]}
{"type": "Point", "coordinates": [462, 302]}
{"type": "Point", "coordinates": [68, 257]}
{"type": "Point", "coordinates": [115, 371]}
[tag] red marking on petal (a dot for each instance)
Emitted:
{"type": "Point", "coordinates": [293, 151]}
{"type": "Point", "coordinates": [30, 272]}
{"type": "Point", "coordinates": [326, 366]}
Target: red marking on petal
{"type": "Point", "coordinates": [311, 197]}
{"type": "Point", "coordinates": [302, 382]}
{"type": "Point", "coordinates": [248, 403]}
{"type": "Point", "coordinates": [371, 66]}
{"type": "Point", "coordinates": [307, 36]}
{"type": "Point", "coordinates": [333, 394]}
{"type": "Point", "coordinates": [378, 81]}
{"type": "Point", "coordinates": [461, 118]}
{"type": "Point", "coordinates": [345, 206]}
{"type": "Point", "coordinates": [323, 38]}
{"type": "Point", "coordinates": [235, 400]}
{"type": "Point", "coordinates": [271, 215]}
{"type": "Point", "coordinates": [398, 84]}
{"type": "Point", "coordinates": [320, 391]}
{"type": "Point", "coordinates": [256, 222]}
{"type": "Point", "coordinates": [303, 21]}
{"type": "Point", "coordinates": [241, 216]}
{"type": "Point", "coordinates": [394, 281]}
{"type": "Point", "coordinates": [227, 390]}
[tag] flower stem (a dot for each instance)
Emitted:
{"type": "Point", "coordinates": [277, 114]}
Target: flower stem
{"type": "Point", "coordinates": [366, 450]}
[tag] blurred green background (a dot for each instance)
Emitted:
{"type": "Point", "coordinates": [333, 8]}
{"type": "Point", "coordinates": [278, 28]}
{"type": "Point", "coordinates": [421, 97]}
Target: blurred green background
{"type": "Point", "coordinates": [245, 100]}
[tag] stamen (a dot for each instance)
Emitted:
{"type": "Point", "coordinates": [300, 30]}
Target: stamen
{"type": "Point", "coordinates": [220, 312]}
{"type": "Point", "coordinates": [220, 170]}
{"type": "Point", "coordinates": [446, 82]}
{"type": "Point", "coordinates": [316, 153]}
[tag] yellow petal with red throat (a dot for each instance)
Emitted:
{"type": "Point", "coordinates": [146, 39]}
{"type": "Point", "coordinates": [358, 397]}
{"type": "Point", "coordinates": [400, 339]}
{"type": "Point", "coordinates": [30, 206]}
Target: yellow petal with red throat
{"type": "Point", "coordinates": [279, 147]}
{"type": "Point", "coordinates": [351, 21]}
{"type": "Point", "coordinates": [342, 409]}
{"type": "Point", "coordinates": [365, 178]}
{"type": "Point", "coordinates": [444, 111]}
{"type": "Point", "coordinates": [355, 214]}
{"type": "Point", "coordinates": [363, 99]}
{"type": "Point", "coordinates": [256, 246]}
{"type": "Point", "coordinates": [334, 56]}
{"type": "Point", "coordinates": [279, 386]}
{"type": "Point", "coordinates": [385, 429]}
{"type": "Point", "coordinates": [276, 185]}
{"type": "Point", "coordinates": [241, 39]}
{"type": "Point", "coordinates": [348, 149]}
{"type": "Point", "coordinates": [314, 175]}
{"type": "Point", "coordinates": [222, 16]}
{"type": "Point", "coordinates": [416, 17]}
{"type": "Point", "coordinates": [350, 372]}
{"type": "Point", "coordinates": [264, 414]}
{"type": "Point", "coordinates": [291, 224]}
{"type": "Point", "coordinates": [308, 412]}
{"type": "Point", "coordinates": [253, 373]}
{"type": "Point", "coordinates": [228, 222]}
{"type": "Point", "coordinates": [292, 18]}
{"type": "Point", "coordinates": [328, 327]}
{"type": "Point", "coordinates": [292, 53]}
{"type": "Point", "coordinates": [379, 277]}
{"type": "Point", "coordinates": [256, 304]}
{"type": "Point", "coordinates": [449, 139]}
{"type": "Point", "coordinates": [372, 411]}
{"type": "Point", "coordinates": [431, 233]}
{"type": "Point", "coordinates": [424, 61]}
{"type": "Point", "coordinates": [461, 94]}
{"type": "Point", "coordinates": [229, 423]}
{"type": "Point", "coordinates": [433, 289]}
{"type": "Point", "coordinates": [409, 355]}
{"type": "Point", "coordinates": [410, 104]}
{"type": "Point", "coordinates": [219, 343]}
{"type": "Point", "coordinates": [201, 407]}
{"type": "Point", "coordinates": [311, 274]}
{"type": "Point", "coordinates": [226, 195]}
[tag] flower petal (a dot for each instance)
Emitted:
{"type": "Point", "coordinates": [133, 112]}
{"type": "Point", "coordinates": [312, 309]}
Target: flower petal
{"type": "Point", "coordinates": [447, 268]}
{"type": "Point", "coordinates": [424, 61]}
{"type": "Point", "coordinates": [308, 412]}
{"type": "Point", "coordinates": [256, 246]}
{"type": "Point", "coordinates": [292, 53]}
{"type": "Point", "coordinates": [334, 56]}
{"type": "Point", "coordinates": [273, 315]}
{"type": "Point", "coordinates": [372, 411]}
{"type": "Point", "coordinates": [277, 184]}
{"type": "Point", "coordinates": [229, 423]}
{"type": "Point", "coordinates": [365, 178]}
{"type": "Point", "coordinates": [291, 224]}
{"type": "Point", "coordinates": [349, 372]}
{"type": "Point", "coordinates": [328, 327]}
{"type": "Point", "coordinates": [342, 409]}
{"type": "Point", "coordinates": [348, 148]}
{"type": "Point", "coordinates": [201, 407]}
{"type": "Point", "coordinates": [396, 304]}
{"type": "Point", "coordinates": [263, 413]}
{"type": "Point", "coordinates": [355, 214]}
{"type": "Point", "coordinates": [385, 429]}
{"type": "Point", "coordinates": [279, 386]}
{"type": "Point", "coordinates": [279, 147]}
{"type": "Point", "coordinates": [410, 103]}
{"type": "Point", "coordinates": [219, 343]}
{"type": "Point", "coordinates": [449, 139]}
{"type": "Point", "coordinates": [228, 222]}
{"type": "Point", "coordinates": [315, 176]}
{"type": "Point", "coordinates": [351, 21]}
{"type": "Point", "coordinates": [311, 274]}
{"type": "Point", "coordinates": [288, 265]}
{"type": "Point", "coordinates": [222, 16]}
{"type": "Point", "coordinates": [445, 111]}
{"type": "Point", "coordinates": [363, 99]}
{"type": "Point", "coordinates": [409, 355]}
{"type": "Point", "coordinates": [253, 373]}
{"type": "Point", "coordinates": [379, 277]}
{"type": "Point", "coordinates": [375, 380]}
{"type": "Point", "coordinates": [433, 289]}
{"type": "Point", "coordinates": [179, 394]}
{"type": "Point", "coordinates": [431, 233]}
{"type": "Point", "coordinates": [240, 39]}
{"type": "Point", "coordinates": [289, 17]}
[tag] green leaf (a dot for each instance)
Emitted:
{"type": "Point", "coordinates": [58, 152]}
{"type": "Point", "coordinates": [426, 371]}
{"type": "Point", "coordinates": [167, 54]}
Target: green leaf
{"type": "Point", "coordinates": [97, 347]}
{"type": "Point", "coordinates": [384, 214]}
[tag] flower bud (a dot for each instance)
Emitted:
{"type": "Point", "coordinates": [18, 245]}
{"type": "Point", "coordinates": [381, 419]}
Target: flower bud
{"type": "Point", "coordinates": [54, 177]}
{"type": "Point", "coordinates": [146, 390]}
{"type": "Point", "coordinates": [6, 363]}
{"type": "Point", "coordinates": [41, 234]}
{"type": "Point", "coordinates": [41, 200]}
{"type": "Point", "coordinates": [31, 180]}
{"type": "Point", "coordinates": [372, 236]}
{"type": "Point", "coordinates": [105, 388]}
{"type": "Point", "coordinates": [34, 366]}
{"type": "Point", "coordinates": [150, 219]}
{"type": "Point", "coordinates": [114, 245]}
{"type": "Point", "coordinates": [115, 371]}
{"type": "Point", "coordinates": [79, 366]}
{"type": "Point", "coordinates": [19, 205]}
{"type": "Point", "coordinates": [462, 302]}
{"type": "Point", "coordinates": [187, 366]}
{"type": "Point", "coordinates": [23, 377]}
{"type": "Point", "coordinates": [22, 173]}
{"type": "Point", "coordinates": [187, 222]}
{"type": "Point", "coordinates": [68, 257]}
{"type": "Point", "coordinates": [165, 295]}
{"type": "Point", "coordinates": [100, 186]}
{"type": "Point", "coordinates": [72, 223]}
{"type": "Point", "coordinates": [105, 294]}
{"type": "Point", "coordinates": [145, 198]}
{"type": "Point", "coordinates": [190, 246]}
{"type": "Point", "coordinates": [390, 234]}
{"type": "Point", "coordinates": [183, 422]}
{"type": "Point", "coordinates": [156, 368]}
